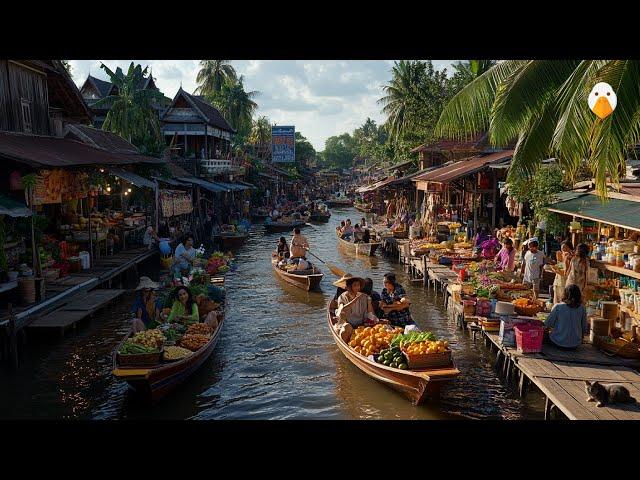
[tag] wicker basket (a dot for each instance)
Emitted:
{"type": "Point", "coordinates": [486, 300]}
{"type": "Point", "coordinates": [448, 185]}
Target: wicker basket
{"type": "Point", "coordinates": [621, 347]}
{"type": "Point", "coordinates": [141, 359]}
{"type": "Point", "coordinates": [427, 360]}
{"type": "Point", "coordinates": [528, 311]}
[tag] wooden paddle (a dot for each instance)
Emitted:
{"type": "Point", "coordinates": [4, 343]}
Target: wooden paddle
{"type": "Point", "coordinates": [335, 270]}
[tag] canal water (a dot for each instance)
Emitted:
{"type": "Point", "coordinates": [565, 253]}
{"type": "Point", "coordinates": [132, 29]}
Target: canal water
{"type": "Point", "coordinates": [275, 359]}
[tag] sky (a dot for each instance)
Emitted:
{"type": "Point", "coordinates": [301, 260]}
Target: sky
{"type": "Point", "coordinates": [321, 98]}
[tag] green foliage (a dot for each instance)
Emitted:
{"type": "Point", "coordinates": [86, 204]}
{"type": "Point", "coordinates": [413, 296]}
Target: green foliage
{"type": "Point", "coordinates": [538, 191]}
{"type": "Point", "coordinates": [213, 74]}
{"type": "Point", "coordinates": [304, 150]}
{"type": "Point", "coordinates": [339, 151]}
{"type": "Point", "coordinates": [131, 114]}
{"type": "Point", "coordinates": [236, 104]}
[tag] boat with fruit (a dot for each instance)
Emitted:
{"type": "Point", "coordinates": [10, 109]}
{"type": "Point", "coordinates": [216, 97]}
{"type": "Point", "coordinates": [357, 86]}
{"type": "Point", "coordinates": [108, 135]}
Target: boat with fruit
{"type": "Point", "coordinates": [416, 384]}
{"type": "Point", "coordinates": [286, 225]}
{"type": "Point", "coordinates": [159, 373]}
{"type": "Point", "coordinates": [307, 280]}
{"type": "Point", "coordinates": [338, 202]}
{"type": "Point", "coordinates": [231, 240]}
{"type": "Point", "coordinates": [320, 217]}
{"type": "Point", "coordinates": [260, 215]}
{"type": "Point", "coordinates": [368, 249]}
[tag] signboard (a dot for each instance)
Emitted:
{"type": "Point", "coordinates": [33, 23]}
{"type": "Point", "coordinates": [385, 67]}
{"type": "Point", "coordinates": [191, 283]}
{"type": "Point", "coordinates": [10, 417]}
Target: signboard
{"type": "Point", "coordinates": [55, 186]}
{"type": "Point", "coordinates": [175, 202]}
{"type": "Point", "coordinates": [283, 144]}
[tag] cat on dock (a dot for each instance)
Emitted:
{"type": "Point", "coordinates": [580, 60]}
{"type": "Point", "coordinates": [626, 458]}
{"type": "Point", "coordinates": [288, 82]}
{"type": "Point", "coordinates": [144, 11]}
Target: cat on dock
{"type": "Point", "coordinates": [607, 393]}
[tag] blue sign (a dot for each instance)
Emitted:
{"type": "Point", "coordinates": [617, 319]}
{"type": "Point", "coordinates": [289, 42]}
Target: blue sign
{"type": "Point", "coordinates": [283, 144]}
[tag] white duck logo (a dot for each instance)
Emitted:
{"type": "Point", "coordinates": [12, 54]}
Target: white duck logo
{"type": "Point", "coordinates": [602, 100]}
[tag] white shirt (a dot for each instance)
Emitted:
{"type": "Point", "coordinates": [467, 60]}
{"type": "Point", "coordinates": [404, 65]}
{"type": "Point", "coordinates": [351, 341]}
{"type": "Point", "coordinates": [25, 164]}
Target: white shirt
{"type": "Point", "coordinates": [532, 264]}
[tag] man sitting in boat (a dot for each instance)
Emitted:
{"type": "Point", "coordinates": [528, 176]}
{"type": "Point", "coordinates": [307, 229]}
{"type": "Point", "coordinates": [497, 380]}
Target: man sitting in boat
{"type": "Point", "coordinates": [363, 222]}
{"type": "Point", "coordinates": [395, 303]}
{"type": "Point", "coordinates": [146, 308]}
{"type": "Point", "coordinates": [347, 231]}
{"type": "Point", "coordinates": [354, 306]}
{"type": "Point", "coordinates": [275, 214]}
{"type": "Point", "coordinates": [299, 244]}
{"type": "Point", "coordinates": [283, 249]}
{"type": "Point", "coordinates": [366, 236]}
{"type": "Point", "coordinates": [340, 229]}
{"type": "Point", "coordinates": [357, 234]}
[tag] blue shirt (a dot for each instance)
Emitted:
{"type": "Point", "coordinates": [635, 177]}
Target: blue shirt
{"type": "Point", "coordinates": [568, 324]}
{"type": "Point", "coordinates": [396, 318]}
{"type": "Point", "coordinates": [182, 263]}
{"type": "Point", "coordinates": [139, 304]}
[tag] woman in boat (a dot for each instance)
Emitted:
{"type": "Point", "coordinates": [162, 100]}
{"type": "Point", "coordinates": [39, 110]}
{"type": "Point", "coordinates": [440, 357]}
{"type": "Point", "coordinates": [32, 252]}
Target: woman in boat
{"type": "Point", "coordinates": [347, 231]}
{"type": "Point", "coordinates": [375, 297]}
{"type": "Point", "coordinates": [568, 320]}
{"type": "Point", "coordinates": [146, 308]}
{"type": "Point", "coordinates": [283, 248]}
{"type": "Point", "coordinates": [340, 229]}
{"type": "Point", "coordinates": [354, 306]}
{"type": "Point", "coordinates": [184, 308]}
{"type": "Point", "coordinates": [395, 303]}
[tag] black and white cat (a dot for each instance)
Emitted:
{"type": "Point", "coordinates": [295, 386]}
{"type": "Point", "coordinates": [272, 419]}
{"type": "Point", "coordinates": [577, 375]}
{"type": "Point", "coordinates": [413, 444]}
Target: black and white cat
{"type": "Point", "coordinates": [607, 393]}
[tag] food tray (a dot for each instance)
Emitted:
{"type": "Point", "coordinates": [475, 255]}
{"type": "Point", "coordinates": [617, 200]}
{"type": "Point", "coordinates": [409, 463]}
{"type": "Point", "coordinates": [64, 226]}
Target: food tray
{"type": "Point", "coordinates": [427, 360]}
{"type": "Point", "coordinates": [140, 359]}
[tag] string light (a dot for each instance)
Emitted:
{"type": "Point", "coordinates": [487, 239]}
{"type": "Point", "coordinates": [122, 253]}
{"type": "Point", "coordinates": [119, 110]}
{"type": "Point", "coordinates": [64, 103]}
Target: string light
{"type": "Point", "coordinates": [108, 189]}
{"type": "Point", "coordinates": [126, 193]}
{"type": "Point", "coordinates": [129, 190]}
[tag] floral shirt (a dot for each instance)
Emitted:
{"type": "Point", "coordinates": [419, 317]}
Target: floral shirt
{"type": "Point", "coordinates": [396, 318]}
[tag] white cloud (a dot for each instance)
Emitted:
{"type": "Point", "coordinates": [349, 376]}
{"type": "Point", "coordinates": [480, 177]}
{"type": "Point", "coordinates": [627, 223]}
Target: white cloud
{"type": "Point", "coordinates": [321, 98]}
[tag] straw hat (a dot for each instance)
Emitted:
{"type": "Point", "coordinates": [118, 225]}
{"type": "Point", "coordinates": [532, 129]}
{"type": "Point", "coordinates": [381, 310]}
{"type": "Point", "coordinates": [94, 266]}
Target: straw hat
{"type": "Point", "coordinates": [532, 239]}
{"type": "Point", "coordinates": [342, 282]}
{"type": "Point", "coordinates": [146, 282]}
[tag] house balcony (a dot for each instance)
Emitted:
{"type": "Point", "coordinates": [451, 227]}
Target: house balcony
{"type": "Point", "coordinates": [215, 166]}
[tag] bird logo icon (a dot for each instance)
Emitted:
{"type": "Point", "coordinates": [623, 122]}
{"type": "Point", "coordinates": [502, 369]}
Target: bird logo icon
{"type": "Point", "coordinates": [602, 100]}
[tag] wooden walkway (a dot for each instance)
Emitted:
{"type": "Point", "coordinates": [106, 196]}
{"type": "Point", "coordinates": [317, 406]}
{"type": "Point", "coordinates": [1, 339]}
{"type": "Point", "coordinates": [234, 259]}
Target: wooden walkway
{"type": "Point", "coordinates": [560, 375]}
{"type": "Point", "coordinates": [79, 307]}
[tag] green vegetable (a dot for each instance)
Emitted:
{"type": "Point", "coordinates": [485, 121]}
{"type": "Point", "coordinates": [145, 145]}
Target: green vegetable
{"type": "Point", "coordinates": [412, 337]}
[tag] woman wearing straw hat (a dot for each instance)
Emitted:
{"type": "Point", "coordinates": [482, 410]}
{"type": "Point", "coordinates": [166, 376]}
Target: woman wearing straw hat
{"type": "Point", "coordinates": [354, 306]}
{"type": "Point", "coordinates": [145, 308]}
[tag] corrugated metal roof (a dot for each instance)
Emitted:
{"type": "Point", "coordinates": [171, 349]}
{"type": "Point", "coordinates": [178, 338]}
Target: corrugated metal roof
{"type": "Point", "coordinates": [211, 186]}
{"type": "Point", "coordinates": [463, 167]}
{"type": "Point", "coordinates": [101, 139]}
{"type": "Point", "coordinates": [47, 151]}
{"type": "Point", "coordinates": [615, 211]}
{"type": "Point", "coordinates": [233, 186]}
{"type": "Point", "coordinates": [173, 181]}
{"type": "Point", "coordinates": [131, 177]}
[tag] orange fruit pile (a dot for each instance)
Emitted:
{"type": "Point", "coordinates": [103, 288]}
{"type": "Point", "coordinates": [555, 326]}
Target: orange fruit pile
{"type": "Point", "coordinates": [428, 347]}
{"type": "Point", "coordinates": [369, 340]}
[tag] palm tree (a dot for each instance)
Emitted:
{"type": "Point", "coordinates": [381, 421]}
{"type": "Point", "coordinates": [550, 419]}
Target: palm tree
{"type": "Point", "coordinates": [261, 136]}
{"type": "Point", "coordinates": [236, 104]}
{"type": "Point", "coordinates": [131, 114]}
{"type": "Point", "coordinates": [212, 75]}
{"type": "Point", "coordinates": [542, 104]}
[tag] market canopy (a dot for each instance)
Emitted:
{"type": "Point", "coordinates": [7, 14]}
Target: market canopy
{"type": "Point", "coordinates": [234, 187]}
{"type": "Point", "coordinates": [173, 182]}
{"type": "Point", "coordinates": [131, 177]}
{"type": "Point", "coordinates": [453, 171]}
{"type": "Point", "coordinates": [13, 208]}
{"type": "Point", "coordinates": [212, 187]}
{"type": "Point", "coordinates": [617, 211]}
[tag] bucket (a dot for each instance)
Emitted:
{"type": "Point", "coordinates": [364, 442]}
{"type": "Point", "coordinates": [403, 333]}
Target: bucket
{"type": "Point", "coordinates": [166, 261]}
{"type": "Point", "coordinates": [27, 290]}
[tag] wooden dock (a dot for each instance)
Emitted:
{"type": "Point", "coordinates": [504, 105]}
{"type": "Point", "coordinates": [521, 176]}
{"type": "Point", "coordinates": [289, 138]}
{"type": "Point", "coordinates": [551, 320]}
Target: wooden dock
{"type": "Point", "coordinates": [560, 375]}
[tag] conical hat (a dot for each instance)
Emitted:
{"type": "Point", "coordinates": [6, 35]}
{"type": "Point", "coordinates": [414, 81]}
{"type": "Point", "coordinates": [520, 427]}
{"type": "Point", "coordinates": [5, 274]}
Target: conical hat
{"type": "Point", "coordinates": [146, 282]}
{"type": "Point", "coordinates": [342, 282]}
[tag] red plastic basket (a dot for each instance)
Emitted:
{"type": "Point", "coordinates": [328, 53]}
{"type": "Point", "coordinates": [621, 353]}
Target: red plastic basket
{"type": "Point", "coordinates": [529, 338]}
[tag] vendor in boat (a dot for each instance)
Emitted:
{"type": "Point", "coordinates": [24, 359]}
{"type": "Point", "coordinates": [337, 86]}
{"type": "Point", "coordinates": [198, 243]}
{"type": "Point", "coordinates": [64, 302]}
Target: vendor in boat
{"type": "Point", "coordinates": [184, 256]}
{"type": "Point", "coordinates": [354, 306]}
{"type": "Point", "coordinates": [146, 307]}
{"type": "Point", "coordinates": [394, 303]}
{"type": "Point", "coordinates": [184, 308]}
{"type": "Point", "coordinates": [299, 244]}
{"type": "Point", "coordinates": [347, 231]}
{"type": "Point", "coordinates": [363, 222]}
{"type": "Point", "coordinates": [275, 214]}
{"type": "Point", "coordinates": [366, 236]}
{"type": "Point", "coordinates": [375, 297]}
{"type": "Point", "coordinates": [568, 320]}
{"type": "Point", "coordinates": [357, 233]}
{"type": "Point", "coordinates": [283, 249]}
{"type": "Point", "coordinates": [340, 229]}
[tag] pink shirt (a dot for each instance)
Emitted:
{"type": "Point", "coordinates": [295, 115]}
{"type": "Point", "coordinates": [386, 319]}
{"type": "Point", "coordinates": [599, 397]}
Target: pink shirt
{"type": "Point", "coordinates": [506, 259]}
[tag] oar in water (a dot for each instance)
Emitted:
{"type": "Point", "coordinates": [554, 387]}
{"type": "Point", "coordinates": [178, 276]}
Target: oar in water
{"type": "Point", "coordinates": [335, 270]}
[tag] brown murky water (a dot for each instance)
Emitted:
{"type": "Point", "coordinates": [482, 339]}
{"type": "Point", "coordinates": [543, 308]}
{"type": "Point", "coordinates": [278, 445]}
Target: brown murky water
{"type": "Point", "coordinates": [275, 358]}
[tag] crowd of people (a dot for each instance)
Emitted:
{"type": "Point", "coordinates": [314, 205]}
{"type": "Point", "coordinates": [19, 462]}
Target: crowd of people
{"type": "Point", "coordinates": [358, 233]}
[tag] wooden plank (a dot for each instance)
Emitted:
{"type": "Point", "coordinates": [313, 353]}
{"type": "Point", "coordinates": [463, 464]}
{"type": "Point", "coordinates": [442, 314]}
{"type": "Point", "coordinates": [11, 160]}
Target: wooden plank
{"type": "Point", "coordinates": [576, 389]}
{"type": "Point", "coordinates": [563, 400]}
{"type": "Point", "coordinates": [93, 300]}
{"type": "Point", "coordinates": [58, 319]}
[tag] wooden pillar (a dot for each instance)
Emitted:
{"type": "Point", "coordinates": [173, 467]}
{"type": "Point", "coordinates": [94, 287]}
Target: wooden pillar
{"type": "Point", "coordinates": [495, 200]}
{"type": "Point", "coordinates": [475, 212]}
{"type": "Point", "coordinates": [157, 202]}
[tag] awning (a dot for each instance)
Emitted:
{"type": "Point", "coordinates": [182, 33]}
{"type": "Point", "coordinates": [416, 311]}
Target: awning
{"type": "Point", "coordinates": [131, 177]}
{"type": "Point", "coordinates": [173, 182]}
{"type": "Point", "coordinates": [250, 185]}
{"type": "Point", "coordinates": [266, 175]}
{"type": "Point", "coordinates": [13, 208]}
{"type": "Point", "coordinates": [624, 213]}
{"type": "Point", "coordinates": [234, 187]}
{"type": "Point", "coordinates": [465, 167]}
{"type": "Point", "coordinates": [44, 151]}
{"type": "Point", "coordinates": [212, 187]}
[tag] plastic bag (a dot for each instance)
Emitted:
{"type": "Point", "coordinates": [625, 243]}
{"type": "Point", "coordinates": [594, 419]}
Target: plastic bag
{"type": "Point", "coordinates": [411, 328]}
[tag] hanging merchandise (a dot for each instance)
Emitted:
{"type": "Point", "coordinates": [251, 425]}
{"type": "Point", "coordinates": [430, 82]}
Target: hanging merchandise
{"type": "Point", "coordinates": [175, 202]}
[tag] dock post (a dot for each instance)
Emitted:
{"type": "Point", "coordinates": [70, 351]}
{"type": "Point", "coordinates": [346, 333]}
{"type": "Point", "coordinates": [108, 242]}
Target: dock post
{"type": "Point", "coordinates": [13, 339]}
{"type": "Point", "coordinates": [424, 270]}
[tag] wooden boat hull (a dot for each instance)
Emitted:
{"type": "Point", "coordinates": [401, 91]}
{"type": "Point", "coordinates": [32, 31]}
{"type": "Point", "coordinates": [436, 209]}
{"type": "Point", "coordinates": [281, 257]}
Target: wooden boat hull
{"type": "Point", "coordinates": [363, 208]}
{"type": "Point", "coordinates": [282, 227]}
{"type": "Point", "coordinates": [233, 241]}
{"type": "Point", "coordinates": [155, 383]}
{"type": "Point", "coordinates": [320, 218]}
{"type": "Point", "coordinates": [260, 217]}
{"type": "Point", "coordinates": [305, 282]}
{"type": "Point", "coordinates": [417, 386]}
{"type": "Point", "coordinates": [338, 203]}
{"type": "Point", "coordinates": [368, 249]}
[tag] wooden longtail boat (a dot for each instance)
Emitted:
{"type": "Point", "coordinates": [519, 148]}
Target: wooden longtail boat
{"type": "Point", "coordinates": [416, 385]}
{"type": "Point", "coordinates": [308, 282]}
{"type": "Point", "coordinates": [363, 207]}
{"type": "Point", "coordinates": [320, 217]}
{"type": "Point", "coordinates": [153, 383]}
{"type": "Point", "coordinates": [233, 240]}
{"type": "Point", "coordinates": [260, 216]}
{"type": "Point", "coordinates": [285, 226]}
{"type": "Point", "coordinates": [338, 202]}
{"type": "Point", "coordinates": [359, 248]}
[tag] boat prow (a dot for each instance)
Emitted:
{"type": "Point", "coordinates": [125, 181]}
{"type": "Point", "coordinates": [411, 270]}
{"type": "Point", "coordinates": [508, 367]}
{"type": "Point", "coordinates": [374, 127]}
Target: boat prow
{"type": "Point", "coordinates": [308, 282]}
{"type": "Point", "coordinates": [359, 248]}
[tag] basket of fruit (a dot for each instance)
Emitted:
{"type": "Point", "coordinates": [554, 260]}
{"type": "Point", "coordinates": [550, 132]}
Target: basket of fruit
{"type": "Point", "coordinates": [526, 307]}
{"type": "Point", "coordinates": [194, 341]}
{"type": "Point", "coordinates": [199, 328]}
{"type": "Point", "coordinates": [132, 354]}
{"type": "Point", "coordinates": [174, 354]}
{"type": "Point", "coordinates": [423, 350]}
{"type": "Point", "coordinates": [392, 357]}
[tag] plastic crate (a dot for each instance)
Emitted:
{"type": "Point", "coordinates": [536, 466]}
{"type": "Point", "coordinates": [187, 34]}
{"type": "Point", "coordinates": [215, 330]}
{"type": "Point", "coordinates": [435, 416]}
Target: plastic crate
{"type": "Point", "coordinates": [529, 338]}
